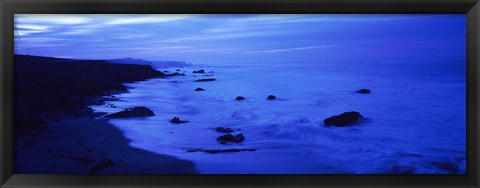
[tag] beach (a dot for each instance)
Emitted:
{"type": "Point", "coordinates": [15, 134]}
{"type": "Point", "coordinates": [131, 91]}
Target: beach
{"type": "Point", "coordinates": [55, 131]}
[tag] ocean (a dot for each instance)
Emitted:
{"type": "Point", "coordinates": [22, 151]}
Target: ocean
{"type": "Point", "coordinates": [414, 119]}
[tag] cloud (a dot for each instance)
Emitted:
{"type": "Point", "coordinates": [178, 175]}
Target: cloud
{"type": "Point", "coordinates": [291, 49]}
{"type": "Point", "coordinates": [231, 35]}
{"type": "Point", "coordinates": [31, 27]}
{"type": "Point", "coordinates": [61, 19]}
{"type": "Point", "coordinates": [27, 29]}
{"type": "Point", "coordinates": [122, 20]}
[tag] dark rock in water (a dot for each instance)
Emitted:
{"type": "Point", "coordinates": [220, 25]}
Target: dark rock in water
{"type": "Point", "coordinates": [166, 71]}
{"type": "Point", "coordinates": [199, 89]}
{"type": "Point", "coordinates": [224, 130]}
{"type": "Point", "coordinates": [178, 69]}
{"type": "Point", "coordinates": [176, 74]}
{"type": "Point", "coordinates": [205, 80]}
{"type": "Point", "coordinates": [211, 72]}
{"type": "Point", "coordinates": [201, 71]}
{"type": "Point", "coordinates": [363, 91]}
{"type": "Point", "coordinates": [347, 118]}
{"type": "Point", "coordinates": [239, 98]}
{"type": "Point", "coordinates": [132, 112]}
{"type": "Point", "coordinates": [193, 150]}
{"type": "Point", "coordinates": [177, 120]}
{"type": "Point", "coordinates": [215, 151]}
{"type": "Point", "coordinates": [230, 138]}
{"type": "Point", "coordinates": [271, 97]}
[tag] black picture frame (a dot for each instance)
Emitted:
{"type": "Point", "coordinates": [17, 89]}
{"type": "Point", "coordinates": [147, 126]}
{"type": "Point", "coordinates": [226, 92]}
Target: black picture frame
{"type": "Point", "coordinates": [10, 7]}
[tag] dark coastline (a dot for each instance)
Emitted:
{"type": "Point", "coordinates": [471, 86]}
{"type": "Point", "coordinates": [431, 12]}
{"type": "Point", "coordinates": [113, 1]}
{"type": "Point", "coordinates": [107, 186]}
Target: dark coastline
{"type": "Point", "coordinates": [55, 130]}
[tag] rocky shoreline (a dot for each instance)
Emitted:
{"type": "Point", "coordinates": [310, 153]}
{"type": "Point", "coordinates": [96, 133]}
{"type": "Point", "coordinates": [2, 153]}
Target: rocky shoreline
{"type": "Point", "coordinates": [55, 124]}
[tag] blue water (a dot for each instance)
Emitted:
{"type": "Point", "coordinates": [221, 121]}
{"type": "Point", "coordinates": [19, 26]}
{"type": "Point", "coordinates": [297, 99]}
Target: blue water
{"type": "Point", "coordinates": [415, 117]}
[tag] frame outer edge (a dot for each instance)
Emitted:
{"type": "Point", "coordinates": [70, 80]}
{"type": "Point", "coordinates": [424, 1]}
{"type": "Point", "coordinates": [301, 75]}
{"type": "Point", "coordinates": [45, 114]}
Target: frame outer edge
{"type": "Point", "coordinates": [477, 60]}
{"type": "Point", "coordinates": [6, 72]}
{"type": "Point", "coordinates": [473, 94]}
{"type": "Point", "coordinates": [2, 129]}
{"type": "Point", "coordinates": [6, 69]}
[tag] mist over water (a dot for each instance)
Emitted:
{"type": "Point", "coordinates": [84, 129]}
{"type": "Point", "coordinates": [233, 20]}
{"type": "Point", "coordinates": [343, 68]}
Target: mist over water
{"type": "Point", "coordinates": [415, 117]}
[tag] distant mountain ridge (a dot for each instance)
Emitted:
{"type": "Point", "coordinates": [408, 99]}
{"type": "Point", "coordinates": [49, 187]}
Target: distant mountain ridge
{"type": "Point", "coordinates": [155, 64]}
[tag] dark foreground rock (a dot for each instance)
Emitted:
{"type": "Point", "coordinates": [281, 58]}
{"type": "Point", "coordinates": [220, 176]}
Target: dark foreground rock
{"type": "Point", "coordinates": [201, 71]}
{"type": "Point", "coordinates": [205, 80]}
{"type": "Point", "coordinates": [230, 138]}
{"type": "Point", "coordinates": [199, 89]}
{"type": "Point", "coordinates": [68, 85]}
{"type": "Point", "coordinates": [132, 112]}
{"type": "Point", "coordinates": [224, 130]}
{"type": "Point", "coordinates": [363, 91]}
{"type": "Point", "coordinates": [344, 119]}
{"type": "Point", "coordinates": [215, 151]}
{"type": "Point", "coordinates": [240, 98]}
{"type": "Point", "coordinates": [177, 120]}
{"type": "Point", "coordinates": [271, 97]}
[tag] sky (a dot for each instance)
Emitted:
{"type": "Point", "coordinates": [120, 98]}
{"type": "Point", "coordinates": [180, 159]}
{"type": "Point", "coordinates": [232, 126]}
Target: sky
{"type": "Point", "coordinates": [241, 37]}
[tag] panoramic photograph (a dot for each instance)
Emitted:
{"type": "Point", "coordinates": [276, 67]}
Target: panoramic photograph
{"type": "Point", "coordinates": [240, 94]}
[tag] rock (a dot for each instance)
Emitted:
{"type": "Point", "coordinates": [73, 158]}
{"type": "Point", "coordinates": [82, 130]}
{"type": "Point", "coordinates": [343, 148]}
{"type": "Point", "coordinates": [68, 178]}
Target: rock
{"type": "Point", "coordinates": [199, 89]}
{"type": "Point", "coordinates": [166, 71]}
{"type": "Point", "coordinates": [230, 138]}
{"type": "Point", "coordinates": [239, 98]}
{"type": "Point", "coordinates": [132, 112]}
{"type": "Point", "coordinates": [201, 71]}
{"type": "Point", "coordinates": [176, 74]}
{"type": "Point", "coordinates": [344, 119]}
{"type": "Point", "coordinates": [205, 80]}
{"type": "Point", "coordinates": [224, 130]}
{"type": "Point", "coordinates": [363, 91]}
{"type": "Point", "coordinates": [177, 120]}
{"type": "Point", "coordinates": [178, 69]}
{"type": "Point", "coordinates": [271, 97]}
{"type": "Point", "coordinates": [193, 150]}
{"type": "Point", "coordinates": [215, 151]}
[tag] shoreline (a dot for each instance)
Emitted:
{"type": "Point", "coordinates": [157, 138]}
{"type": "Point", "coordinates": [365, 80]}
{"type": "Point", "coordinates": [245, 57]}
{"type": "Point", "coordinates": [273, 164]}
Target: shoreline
{"type": "Point", "coordinates": [80, 145]}
{"type": "Point", "coordinates": [56, 132]}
